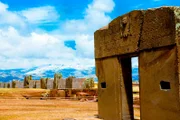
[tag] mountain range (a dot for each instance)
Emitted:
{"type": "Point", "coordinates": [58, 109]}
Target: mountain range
{"type": "Point", "coordinates": [48, 71]}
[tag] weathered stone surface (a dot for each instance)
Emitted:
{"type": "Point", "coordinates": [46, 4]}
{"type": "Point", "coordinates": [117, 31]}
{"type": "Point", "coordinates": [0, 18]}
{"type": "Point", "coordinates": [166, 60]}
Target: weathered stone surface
{"type": "Point", "coordinates": [154, 36]}
{"type": "Point", "coordinates": [61, 83]}
{"type": "Point", "coordinates": [160, 27]}
{"type": "Point", "coordinates": [57, 93]}
{"type": "Point", "coordinates": [14, 84]}
{"type": "Point", "coordinates": [108, 72]}
{"type": "Point", "coordinates": [77, 83]}
{"type": "Point", "coordinates": [177, 22]}
{"type": "Point", "coordinates": [156, 66]}
{"type": "Point", "coordinates": [50, 84]}
{"type": "Point", "coordinates": [121, 37]}
{"type": "Point", "coordinates": [178, 63]}
{"type": "Point", "coordinates": [5, 85]}
{"type": "Point", "coordinates": [32, 84]}
{"type": "Point", "coordinates": [38, 84]}
{"type": "Point", "coordinates": [1, 85]}
{"type": "Point", "coordinates": [69, 82]}
{"type": "Point", "coordinates": [43, 83]}
{"type": "Point", "coordinates": [20, 84]}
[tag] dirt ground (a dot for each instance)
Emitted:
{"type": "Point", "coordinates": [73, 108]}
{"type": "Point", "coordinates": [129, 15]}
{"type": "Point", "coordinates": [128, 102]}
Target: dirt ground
{"type": "Point", "coordinates": [20, 108]}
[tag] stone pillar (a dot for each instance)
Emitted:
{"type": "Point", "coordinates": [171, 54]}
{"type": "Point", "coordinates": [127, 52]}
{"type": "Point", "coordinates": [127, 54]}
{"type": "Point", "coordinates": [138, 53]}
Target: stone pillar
{"type": "Point", "coordinates": [109, 74]}
{"type": "Point", "coordinates": [61, 83]}
{"type": "Point", "coordinates": [159, 84]}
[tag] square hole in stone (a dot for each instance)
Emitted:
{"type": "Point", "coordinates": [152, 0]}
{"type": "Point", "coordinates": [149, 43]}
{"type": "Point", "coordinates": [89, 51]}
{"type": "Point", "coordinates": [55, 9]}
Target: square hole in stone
{"type": "Point", "coordinates": [164, 85]}
{"type": "Point", "coordinates": [103, 84]}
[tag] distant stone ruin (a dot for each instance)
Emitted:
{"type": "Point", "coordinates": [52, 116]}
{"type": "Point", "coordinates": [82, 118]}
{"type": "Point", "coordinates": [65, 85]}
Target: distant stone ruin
{"type": "Point", "coordinates": [77, 83]}
{"type": "Point", "coordinates": [153, 36]}
{"type": "Point", "coordinates": [46, 83]}
{"type": "Point", "coordinates": [61, 83]}
{"type": "Point", "coordinates": [50, 84]}
{"type": "Point", "coordinates": [32, 84]}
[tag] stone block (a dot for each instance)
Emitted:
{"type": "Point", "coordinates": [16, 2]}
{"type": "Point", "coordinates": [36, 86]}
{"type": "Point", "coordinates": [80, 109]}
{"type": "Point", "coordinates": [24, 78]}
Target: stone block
{"type": "Point", "coordinates": [161, 27]}
{"type": "Point", "coordinates": [109, 92]}
{"type": "Point", "coordinates": [32, 84]}
{"type": "Point", "coordinates": [50, 84]}
{"type": "Point", "coordinates": [159, 84]}
{"type": "Point", "coordinates": [120, 37]}
{"type": "Point", "coordinates": [77, 83]}
{"type": "Point", "coordinates": [61, 83]}
{"type": "Point", "coordinates": [38, 85]}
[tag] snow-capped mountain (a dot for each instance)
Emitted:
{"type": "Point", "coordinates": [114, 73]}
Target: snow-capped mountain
{"type": "Point", "coordinates": [48, 71]}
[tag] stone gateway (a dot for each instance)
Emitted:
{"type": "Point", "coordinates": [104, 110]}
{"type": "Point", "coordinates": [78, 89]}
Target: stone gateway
{"type": "Point", "coordinates": [153, 36]}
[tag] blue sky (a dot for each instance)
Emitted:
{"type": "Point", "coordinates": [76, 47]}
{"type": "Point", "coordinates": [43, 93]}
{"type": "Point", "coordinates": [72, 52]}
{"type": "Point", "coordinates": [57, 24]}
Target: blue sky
{"type": "Point", "coordinates": [39, 32]}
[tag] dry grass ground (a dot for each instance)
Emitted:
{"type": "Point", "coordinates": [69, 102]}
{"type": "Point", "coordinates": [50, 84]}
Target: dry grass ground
{"type": "Point", "coordinates": [36, 109]}
{"type": "Point", "coordinates": [46, 109]}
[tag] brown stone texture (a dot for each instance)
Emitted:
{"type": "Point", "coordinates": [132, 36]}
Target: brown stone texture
{"type": "Point", "coordinates": [77, 83]}
{"type": "Point", "coordinates": [109, 101]}
{"type": "Point", "coordinates": [50, 84]}
{"type": "Point", "coordinates": [32, 84]}
{"type": "Point", "coordinates": [121, 37]}
{"type": "Point", "coordinates": [5, 85]}
{"type": "Point", "coordinates": [15, 84]}
{"type": "Point", "coordinates": [43, 83]}
{"type": "Point", "coordinates": [38, 84]}
{"type": "Point", "coordinates": [57, 93]}
{"type": "Point", "coordinates": [154, 36]}
{"type": "Point", "coordinates": [177, 22]}
{"type": "Point", "coordinates": [159, 27]}
{"type": "Point", "coordinates": [1, 85]}
{"type": "Point", "coordinates": [178, 64]}
{"type": "Point", "coordinates": [20, 84]}
{"type": "Point", "coordinates": [69, 82]}
{"type": "Point", "coordinates": [156, 66]}
{"type": "Point", "coordinates": [61, 83]}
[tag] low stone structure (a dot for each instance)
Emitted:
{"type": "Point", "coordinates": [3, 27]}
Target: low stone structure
{"type": "Point", "coordinates": [1, 84]}
{"type": "Point", "coordinates": [50, 84]}
{"type": "Point", "coordinates": [153, 36]}
{"type": "Point", "coordinates": [17, 84]}
{"type": "Point", "coordinates": [5, 85]}
{"type": "Point", "coordinates": [77, 83]}
{"type": "Point", "coordinates": [32, 83]}
{"type": "Point", "coordinates": [61, 83]}
{"type": "Point", "coordinates": [38, 84]}
{"type": "Point", "coordinates": [43, 83]}
{"type": "Point", "coordinates": [20, 84]}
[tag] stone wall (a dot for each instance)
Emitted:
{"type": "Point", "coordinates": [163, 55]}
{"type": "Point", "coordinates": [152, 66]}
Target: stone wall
{"type": "Point", "coordinates": [61, 83]}
{"type": "Point", "coordinates": [50, 84]}
{"type": "Point", "coordinates": [77, 83]}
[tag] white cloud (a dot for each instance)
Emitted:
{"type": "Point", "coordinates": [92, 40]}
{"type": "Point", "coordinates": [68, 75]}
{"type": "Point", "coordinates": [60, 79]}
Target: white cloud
{"type": "Point", "coordinates": [83, 29]}
{"type": "Point", "coordinates": [3, 7]}
{"type": "Point", "coordinates": [134, 62]}
{"type": "Point", "coordinates": [95, 18]}
{"type": "Point", "coordinates": [41, 15]}
{"type": "Point", "coordinates": [10, 18]}
{"type": "Point", "coordinates": [38, 47]}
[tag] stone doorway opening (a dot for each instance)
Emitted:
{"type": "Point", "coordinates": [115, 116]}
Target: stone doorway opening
{"type": "Point", "coordinates": [130, 88]}
{"type": "Point", "coordinates": [135, 87]}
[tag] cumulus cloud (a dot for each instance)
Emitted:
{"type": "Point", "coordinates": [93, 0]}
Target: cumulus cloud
{"type": "Point", "coordinates": [95, 17]}
{"type": "Point", "coordinates": [39, 47]}
{"type": "Point", "coordinates": [40, 15]}
{"type": "Point", "coordinates": [10, 18]}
